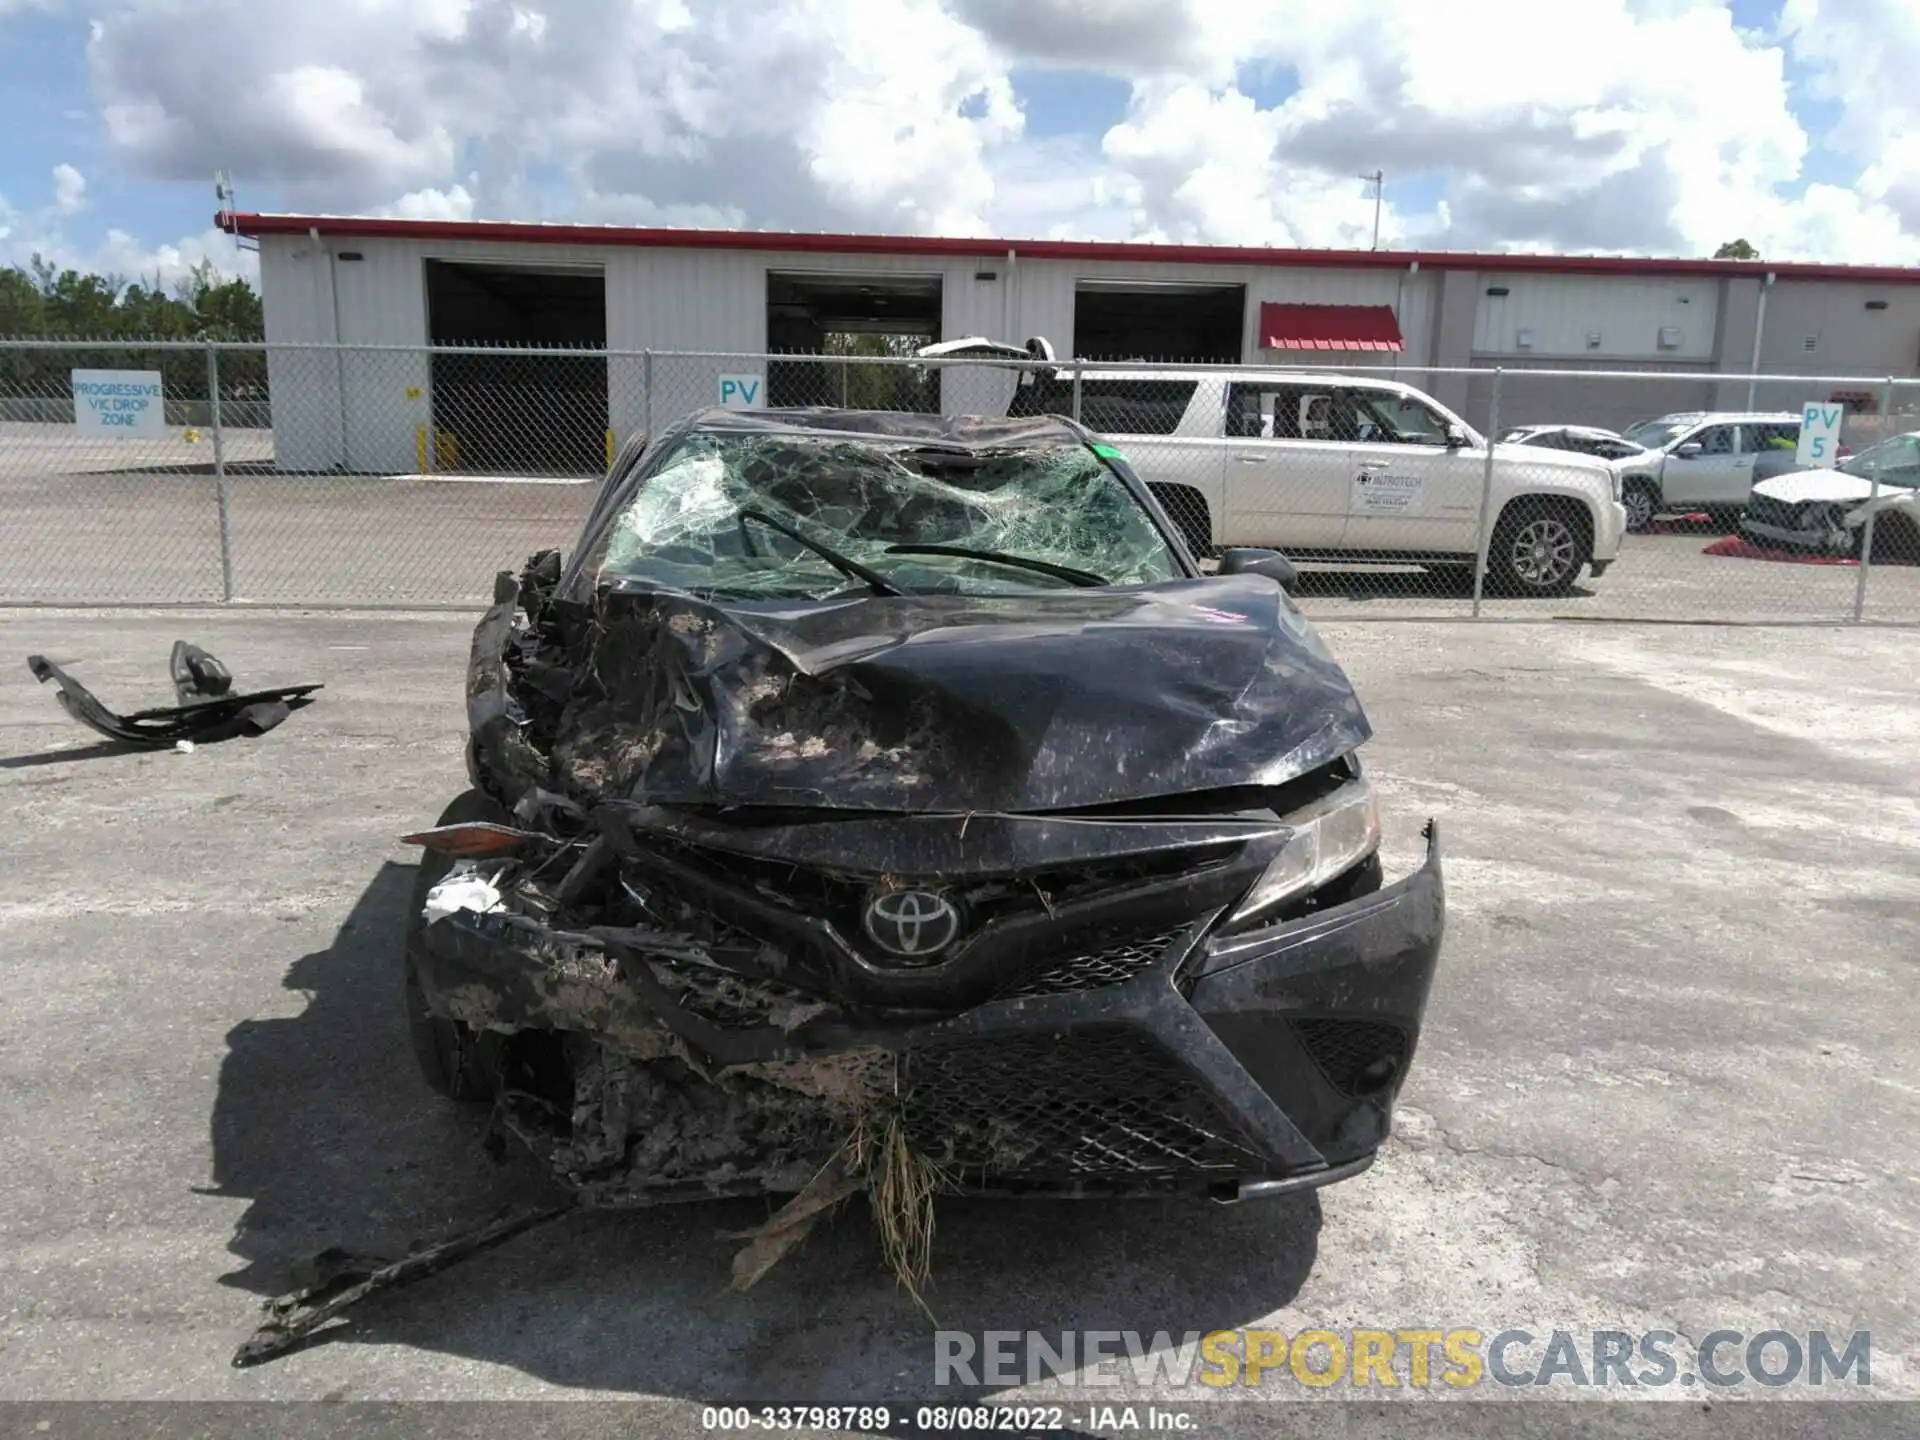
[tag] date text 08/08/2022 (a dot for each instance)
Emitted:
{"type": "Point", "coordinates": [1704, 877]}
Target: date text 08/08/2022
{"type": "Point", "coordinates": [939, 1419]}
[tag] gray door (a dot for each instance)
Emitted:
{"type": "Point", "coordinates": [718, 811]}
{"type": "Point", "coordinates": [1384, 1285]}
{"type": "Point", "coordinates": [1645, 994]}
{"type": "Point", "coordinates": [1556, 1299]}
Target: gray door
{"type": "Point", "coordinates": [1713, 471]}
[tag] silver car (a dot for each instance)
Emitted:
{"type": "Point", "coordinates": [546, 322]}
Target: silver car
{"type": "Point", "coordinates": [1699, 461]}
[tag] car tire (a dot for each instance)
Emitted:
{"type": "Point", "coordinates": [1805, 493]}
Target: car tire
{"type": "Point", "coordinates": [1539, 547]}
{"type": "Point", "coordinates": [455, 1060]}
{"type": "Point", "coordinates": [1641, 497]}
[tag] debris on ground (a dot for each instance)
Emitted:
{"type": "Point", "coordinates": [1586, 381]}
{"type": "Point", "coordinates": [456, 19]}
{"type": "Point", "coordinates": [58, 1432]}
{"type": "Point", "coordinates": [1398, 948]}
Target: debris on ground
{"type": "Point", "coordinates": [208, 710]}
{"type": "Point", "coordinates": [341, 1279]}
{"type": "Point", "coordinates": [1741, 549]}
{"type": "Point", "coordinates": [790, 1224]}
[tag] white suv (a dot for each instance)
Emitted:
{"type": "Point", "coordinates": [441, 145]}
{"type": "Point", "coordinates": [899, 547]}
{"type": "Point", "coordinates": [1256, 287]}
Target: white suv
{"type": "Point", "coordinates": [1699, 460]}
{"type": "Point", "coordinates": [1343, 467]}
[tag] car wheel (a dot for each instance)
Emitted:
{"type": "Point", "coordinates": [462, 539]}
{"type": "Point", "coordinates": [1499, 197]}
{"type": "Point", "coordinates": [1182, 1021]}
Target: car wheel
{"type": "Point", "coordinates": [1538, 548]}
{"type": "Point", "coordinates": [455, 1060]}
{"type": "Point", "coordinates": [1642, 503]}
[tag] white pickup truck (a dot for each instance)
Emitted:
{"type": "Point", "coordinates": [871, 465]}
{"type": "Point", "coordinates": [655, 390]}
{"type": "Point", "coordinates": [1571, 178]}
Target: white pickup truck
{"type": "Point", "coordinates": [1332, 467]}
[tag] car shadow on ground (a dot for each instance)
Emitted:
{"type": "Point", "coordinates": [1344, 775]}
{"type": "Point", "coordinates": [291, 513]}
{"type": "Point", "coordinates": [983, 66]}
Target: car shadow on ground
{"type": "Point", "coordinates": [322, 1125]}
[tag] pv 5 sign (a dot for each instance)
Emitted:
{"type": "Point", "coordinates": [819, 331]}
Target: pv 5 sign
{"type": "Point", "coordinates": [119, 403]}
{"type": "Point", "coordinates": [1819, 435]}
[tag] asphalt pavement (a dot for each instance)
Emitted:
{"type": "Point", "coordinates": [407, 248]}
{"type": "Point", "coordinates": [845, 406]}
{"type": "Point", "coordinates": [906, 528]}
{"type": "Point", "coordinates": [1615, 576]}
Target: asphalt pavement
{"type": "Point", "coordinates": [1668, 1078]}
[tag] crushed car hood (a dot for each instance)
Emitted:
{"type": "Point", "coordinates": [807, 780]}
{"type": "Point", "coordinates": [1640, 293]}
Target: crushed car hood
{"type": "Point", "coordinates": [1831, 485]}
{"type": "Point", "coordinates": [1052, 701]}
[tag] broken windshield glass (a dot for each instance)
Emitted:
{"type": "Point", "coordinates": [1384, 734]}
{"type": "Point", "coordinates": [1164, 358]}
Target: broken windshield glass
{"type": "Point", "coordinates": [691, 524]}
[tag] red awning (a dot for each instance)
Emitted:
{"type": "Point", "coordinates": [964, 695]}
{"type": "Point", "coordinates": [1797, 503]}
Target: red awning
{"type": "Point", "coordinates": [1329, 327]}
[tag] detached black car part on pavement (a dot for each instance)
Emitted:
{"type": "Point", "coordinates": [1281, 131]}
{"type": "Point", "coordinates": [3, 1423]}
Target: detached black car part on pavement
{"type": "Point", "coordinates": [208, 710]}
{"type": "Point", "coordinates": [879, 785]}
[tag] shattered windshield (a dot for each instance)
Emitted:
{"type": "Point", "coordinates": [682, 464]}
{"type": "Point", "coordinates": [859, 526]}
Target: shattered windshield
{"type": "Point", "coordinates": [803, 515]}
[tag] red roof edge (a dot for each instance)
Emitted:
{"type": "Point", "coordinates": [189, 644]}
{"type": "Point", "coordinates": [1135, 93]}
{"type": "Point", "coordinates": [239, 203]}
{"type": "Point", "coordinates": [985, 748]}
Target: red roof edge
{"type": "Point", "coordinates": [625, 236]}
{"type": "Point", "coordinates": [1329, 327]}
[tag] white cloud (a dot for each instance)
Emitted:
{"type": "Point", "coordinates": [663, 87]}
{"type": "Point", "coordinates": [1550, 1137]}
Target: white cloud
{"type": "Point", "coordinates": [42, 232]}
{"type": "Point", "coordinates": [1864, 55]}
{"type": "Point", "coordinates": [454, 203]}
{"type": "Point", "coordinates": [126, 256]}
{"type": "Point", "coordinates": [876, 112]}
{"type": "Point", "coordinates": [1618, 125]}
{"type": "Point", "coordinates": [69, 190]}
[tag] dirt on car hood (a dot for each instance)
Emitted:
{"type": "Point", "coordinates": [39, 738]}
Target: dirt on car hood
{"type": "Point", "coordinates": [1047, 701]}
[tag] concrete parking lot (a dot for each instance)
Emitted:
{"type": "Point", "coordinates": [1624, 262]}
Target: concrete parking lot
{"type": "Point", "coordinates": [1667, 1080]}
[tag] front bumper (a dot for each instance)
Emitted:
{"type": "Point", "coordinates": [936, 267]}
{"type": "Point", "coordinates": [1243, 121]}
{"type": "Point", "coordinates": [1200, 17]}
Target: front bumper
{"type": "Point", "coordinates": [1780, 536]}
{"type": "Point", "coordinates": [1234, 1065]}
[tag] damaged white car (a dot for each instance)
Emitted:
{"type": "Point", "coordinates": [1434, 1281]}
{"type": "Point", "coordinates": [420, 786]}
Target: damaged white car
{"type": "Point", "coordinates": [1825, 511]}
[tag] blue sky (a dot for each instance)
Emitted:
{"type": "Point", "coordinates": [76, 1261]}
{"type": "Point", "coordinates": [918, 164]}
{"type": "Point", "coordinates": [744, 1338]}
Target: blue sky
{"type": "Point", "coordinates": [1205, 120]}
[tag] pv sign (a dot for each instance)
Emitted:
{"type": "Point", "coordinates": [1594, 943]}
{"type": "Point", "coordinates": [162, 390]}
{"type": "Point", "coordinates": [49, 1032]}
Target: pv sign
{"type": "Point", "coordinates": [1819, 435]}
{"type": "Point", "coordinates": [742, 392]}
{"type": "Point", "coordinates": [119, 403]}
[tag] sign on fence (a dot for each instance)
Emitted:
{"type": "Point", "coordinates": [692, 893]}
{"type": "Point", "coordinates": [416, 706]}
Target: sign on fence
{"type": "Point", "coordinates": [1819, 434]}
{"type": "Point", "coordinates": [118, 403]}
{"type": "Point", "coordinates": [742, 392]}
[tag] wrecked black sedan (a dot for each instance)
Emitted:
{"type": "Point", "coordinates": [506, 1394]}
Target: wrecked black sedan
{"type": "Point", "coordinates": [891, 798]}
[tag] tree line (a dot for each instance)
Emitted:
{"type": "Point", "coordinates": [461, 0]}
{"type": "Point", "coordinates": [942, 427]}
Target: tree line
{"type": "Point", "coordinates": [39, 300]}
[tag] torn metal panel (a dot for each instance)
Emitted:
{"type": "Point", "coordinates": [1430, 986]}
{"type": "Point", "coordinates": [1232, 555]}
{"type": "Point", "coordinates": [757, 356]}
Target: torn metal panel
{"type": "Point", "coordinates": [941, 703]}
{"type": "Point", "coordinates": [727, 1083]}
{"type": "Point", "coordinates": [341, 1281]}
{"type": "Point", "coordinates": [207, 711]}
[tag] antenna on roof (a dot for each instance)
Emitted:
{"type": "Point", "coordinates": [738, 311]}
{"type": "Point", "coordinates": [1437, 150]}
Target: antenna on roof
{"type": "Point", "coordinates": [223, 192]}
{"type": "Point", "coordinates": [1378, 179]}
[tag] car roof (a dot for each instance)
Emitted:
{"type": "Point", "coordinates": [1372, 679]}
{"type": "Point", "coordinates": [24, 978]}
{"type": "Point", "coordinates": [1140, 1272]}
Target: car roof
{"type": "Point", "coordinates": [1597, 431]}
{"type": "Point", "coordinates": [1235, 374]}
{"type": "Point", "coordinates": [967, 431]}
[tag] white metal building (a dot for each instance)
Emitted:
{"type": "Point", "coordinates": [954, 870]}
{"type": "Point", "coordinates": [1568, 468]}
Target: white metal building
{"type": "Point", "coordinates": [401, 283]}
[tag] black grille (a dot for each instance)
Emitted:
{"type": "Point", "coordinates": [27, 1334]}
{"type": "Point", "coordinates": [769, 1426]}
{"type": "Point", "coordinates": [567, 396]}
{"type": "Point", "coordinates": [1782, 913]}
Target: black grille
{"type": "Point", "coordinates": [1099, 965]}
{"type": "Point", "coordinates": [1076, 1107]}
{"type": "Point", "coordinates": [1358, 1057]}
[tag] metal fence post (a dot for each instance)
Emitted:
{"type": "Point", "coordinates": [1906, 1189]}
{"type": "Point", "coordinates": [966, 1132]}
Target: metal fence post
{"type": "Point", "coordinates": [845, 366]}
{"type": "Point", "coordinates": [1866, 531]}
{"type": "Point", "coordinates": [1486, 494]}
{"type": "Point", "coordinates": [220, 473]}
{"type": "Point", "coordinates": [646, 393]}
{"type": "Point", "coordinates": [1076, 390]}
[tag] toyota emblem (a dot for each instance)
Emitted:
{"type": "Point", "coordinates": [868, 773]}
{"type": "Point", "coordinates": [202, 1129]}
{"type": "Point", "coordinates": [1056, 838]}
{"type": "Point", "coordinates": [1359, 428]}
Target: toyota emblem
{"type": "Point", "coordinates": [911, 923]}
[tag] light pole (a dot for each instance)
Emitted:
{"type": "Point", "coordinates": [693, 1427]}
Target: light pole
{"type": "Point", "coordinates": [1379, 181]}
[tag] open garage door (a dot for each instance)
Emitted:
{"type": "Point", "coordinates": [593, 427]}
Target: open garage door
{"type": "Point", "coordinates": [1141, 320]}
{"type": "Point", "coordinates": [857, 316]}
{"type": "Point", "coordinates": [519, 414]}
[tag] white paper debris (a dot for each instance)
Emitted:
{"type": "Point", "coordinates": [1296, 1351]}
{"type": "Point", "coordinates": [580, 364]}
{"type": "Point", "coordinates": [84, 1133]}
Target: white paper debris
{"type": "Point", "coordinates": [465, 887]}
{"type": "Point", "coordinates": [185, 747]}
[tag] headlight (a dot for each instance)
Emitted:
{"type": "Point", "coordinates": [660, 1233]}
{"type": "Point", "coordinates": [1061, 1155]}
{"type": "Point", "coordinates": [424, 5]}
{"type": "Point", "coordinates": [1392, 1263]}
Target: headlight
{"type": "Point", "coordinates": [1330, 836]}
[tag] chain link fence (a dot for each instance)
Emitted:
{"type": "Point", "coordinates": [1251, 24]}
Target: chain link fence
{"type": "Point", "coordinates": [339, 475]}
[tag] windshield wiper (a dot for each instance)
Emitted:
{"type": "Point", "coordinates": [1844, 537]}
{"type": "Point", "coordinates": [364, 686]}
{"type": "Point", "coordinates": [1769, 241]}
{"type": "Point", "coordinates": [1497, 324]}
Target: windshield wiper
{"type": "Point", "coordinates": [1000, 557]}
{"type": "Point", "coordinates": [873, 579]}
